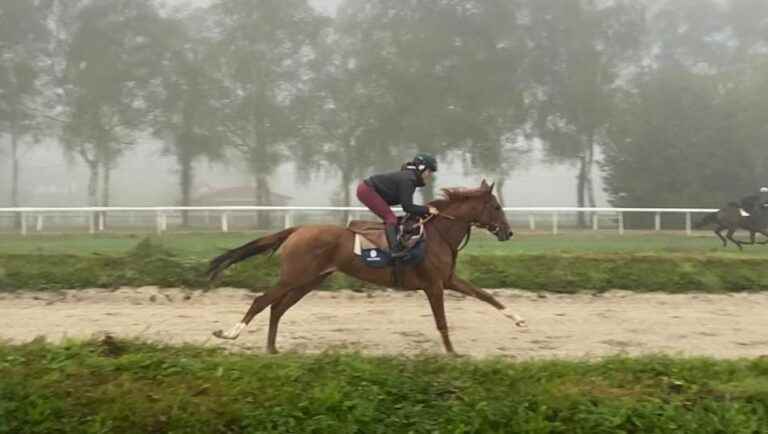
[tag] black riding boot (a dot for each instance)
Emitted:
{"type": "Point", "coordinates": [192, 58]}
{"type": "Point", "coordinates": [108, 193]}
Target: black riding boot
{"type": "Point", "coordinates": [395, 249]}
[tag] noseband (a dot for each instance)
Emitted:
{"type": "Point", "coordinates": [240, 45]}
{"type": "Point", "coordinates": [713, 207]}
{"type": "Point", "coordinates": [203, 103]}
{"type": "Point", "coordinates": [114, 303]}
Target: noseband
{"type": "Point", "coordinates": [492, 228]}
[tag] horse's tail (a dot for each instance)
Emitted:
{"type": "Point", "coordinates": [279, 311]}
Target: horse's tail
{"type": "Point", "coordinates": [255, 247]}
{"type": "Point", "coordinates": [708, 219]}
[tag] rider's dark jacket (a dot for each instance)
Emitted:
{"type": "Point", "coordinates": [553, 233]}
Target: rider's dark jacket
{"type": "Point", "coordinates": [397, 188]}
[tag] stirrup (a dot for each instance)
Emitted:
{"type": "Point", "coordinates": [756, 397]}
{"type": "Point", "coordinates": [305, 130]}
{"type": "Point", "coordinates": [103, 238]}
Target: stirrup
{"type": "Point", "coordinates": [398, 254]}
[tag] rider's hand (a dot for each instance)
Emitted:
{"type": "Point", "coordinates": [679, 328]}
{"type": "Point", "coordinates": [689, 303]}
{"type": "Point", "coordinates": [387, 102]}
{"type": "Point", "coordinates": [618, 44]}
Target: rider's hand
{"type": "Point", "coordinates": [433, 210]}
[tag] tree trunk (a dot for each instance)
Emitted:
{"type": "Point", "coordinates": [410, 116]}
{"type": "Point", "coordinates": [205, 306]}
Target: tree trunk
{"type": "Point", "coordinates": [93, 184]}
{"type": "Point", "coordinates": [590, 164]}
{"type": "Point", "coordinates": [581, 184]}
{"type": "Point", "coordinates": [15, 175]}
{"type": "Point", "coordinates": [263, 198]}
{"type": "Point", "coordinates": [185, 182]}
{"type": "Point", "coordinates": [106, 181]}
{"type": "Point", "coordinates": [346, 180]}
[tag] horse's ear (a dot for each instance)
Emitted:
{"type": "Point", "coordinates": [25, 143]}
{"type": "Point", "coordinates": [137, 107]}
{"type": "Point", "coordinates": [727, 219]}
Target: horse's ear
{"type": "Point", "coordinates": [483, 184]}
{"type": "Point", "coordinates": [490, 189]}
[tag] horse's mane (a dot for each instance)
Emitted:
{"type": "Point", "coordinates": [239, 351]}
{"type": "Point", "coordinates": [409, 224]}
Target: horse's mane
{"type": "Point", "coordinates": [457, 193]}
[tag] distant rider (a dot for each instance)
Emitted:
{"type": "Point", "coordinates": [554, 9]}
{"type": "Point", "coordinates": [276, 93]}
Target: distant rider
{"type": "Point", "coordinates": [753, 202]}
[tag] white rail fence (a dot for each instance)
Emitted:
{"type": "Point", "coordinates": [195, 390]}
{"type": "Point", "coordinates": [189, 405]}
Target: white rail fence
{"type": "Point", "coordinates": [96, 217]}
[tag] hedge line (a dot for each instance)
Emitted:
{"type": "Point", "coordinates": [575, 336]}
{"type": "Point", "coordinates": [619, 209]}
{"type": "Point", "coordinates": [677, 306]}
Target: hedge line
{"type": "Point", "coordinates": [149, 264]}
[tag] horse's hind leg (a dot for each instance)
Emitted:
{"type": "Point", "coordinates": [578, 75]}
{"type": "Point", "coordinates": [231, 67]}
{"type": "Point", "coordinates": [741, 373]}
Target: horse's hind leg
{"type": "Point", "coordinates": [729, 235]}
{"type": "Point", "coordinates": [258, 304]}
{"type": "Point", "coordinates": [280, 306]}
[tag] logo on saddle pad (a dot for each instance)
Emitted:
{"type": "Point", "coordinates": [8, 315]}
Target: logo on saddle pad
{"type": "Point", "coordinates": [371, 245]}
{"type": "Point", "coordinates": [378, 257]}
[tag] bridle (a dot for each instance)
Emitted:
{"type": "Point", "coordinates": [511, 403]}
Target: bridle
{"type": "Point", "coordinates": [492, 228]}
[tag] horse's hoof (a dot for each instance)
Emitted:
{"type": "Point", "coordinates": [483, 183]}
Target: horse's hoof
{"type": "Point", "coordinates": [522, 324]}
{"type": "Point", "coordinates": [272, 351]}
{"type": "Point", "coordinates": [220, 334]}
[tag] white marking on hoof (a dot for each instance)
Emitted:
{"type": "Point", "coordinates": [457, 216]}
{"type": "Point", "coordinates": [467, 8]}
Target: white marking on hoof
{"type": "Point", "coordinates": [232, 334]}
{"type": "Point", "coordinates": [519, 321]}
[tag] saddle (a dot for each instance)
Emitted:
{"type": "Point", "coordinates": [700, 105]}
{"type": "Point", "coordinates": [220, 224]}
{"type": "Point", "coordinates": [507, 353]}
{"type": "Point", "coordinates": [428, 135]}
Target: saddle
{"type": "Point", "coordinates": [371, 243]}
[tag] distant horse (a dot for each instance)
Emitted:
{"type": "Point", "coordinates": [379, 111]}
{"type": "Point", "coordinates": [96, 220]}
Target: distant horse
{"type": "Point", "coordinates": [309, 254]}
{"type": "Point", "coordinates": [731, 218]}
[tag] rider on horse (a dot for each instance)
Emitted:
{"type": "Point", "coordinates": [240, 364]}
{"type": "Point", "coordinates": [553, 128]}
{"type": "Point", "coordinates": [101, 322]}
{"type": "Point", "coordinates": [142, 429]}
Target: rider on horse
{"type": "Point", "coordinates": [381, 191]}
{"type": "Point", "coordinates": [753, 202]}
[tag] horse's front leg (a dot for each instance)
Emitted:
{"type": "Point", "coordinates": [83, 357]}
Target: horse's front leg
{"type": "Point", "coordinates": [718, 231]}
{"type": "Point", "coordinates": [437, 303]}
{"type": "Point", "coordinates": [467, 288]}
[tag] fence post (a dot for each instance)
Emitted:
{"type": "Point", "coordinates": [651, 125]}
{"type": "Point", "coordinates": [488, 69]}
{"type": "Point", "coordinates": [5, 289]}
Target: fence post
{"type": "Point", "coordinates": [224, 222]}
{"type": "Point", "coordinates": [688, 230]}
{"type": "Point", "coordinates": [23, 220]}
{"type": "Point", "coordinates": [621, 223]}
{"type": "Point", "coordinates": [159, 222]}
{"type": "Point", "coordinates": [554, 223]}
{"type": "Point", "coordinates": [657, 221]}
{"type": "Point", "coordinates": [91, 223]}
{"type": "Point", "coordinates": [288, 219]}
{"type": "Point", "coordinates": [532, 222]}
{"type": "Point", "coordinates": [39, 225]}
{"type": "Point", "coordinates": [595, 224]}
{"type": "Point", "coordinates": [101, 221]}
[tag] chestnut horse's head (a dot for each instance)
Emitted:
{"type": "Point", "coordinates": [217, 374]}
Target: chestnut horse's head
{"type": "Point", "coordinates": [477, 206]}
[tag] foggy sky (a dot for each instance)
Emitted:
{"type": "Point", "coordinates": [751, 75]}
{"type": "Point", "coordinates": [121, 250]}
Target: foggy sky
{"type": "Point", "coordinates": [145, 177]}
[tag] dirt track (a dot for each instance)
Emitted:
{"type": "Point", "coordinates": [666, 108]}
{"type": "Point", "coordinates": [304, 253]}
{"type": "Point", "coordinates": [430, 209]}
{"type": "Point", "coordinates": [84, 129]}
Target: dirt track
{"type": "Point", "coordinates": [394, 322]}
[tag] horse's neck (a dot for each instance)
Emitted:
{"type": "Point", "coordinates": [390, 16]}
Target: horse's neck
{"type": "Point", "coordinates": [452, 231]}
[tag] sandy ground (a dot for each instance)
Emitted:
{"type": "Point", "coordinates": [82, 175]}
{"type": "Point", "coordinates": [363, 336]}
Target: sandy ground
{"type": "Point", "coordinates": [572, 326]}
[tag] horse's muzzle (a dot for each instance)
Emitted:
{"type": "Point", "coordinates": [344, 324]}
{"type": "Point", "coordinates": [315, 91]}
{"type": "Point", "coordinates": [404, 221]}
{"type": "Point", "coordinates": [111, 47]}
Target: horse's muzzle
{"type": "Point", "coordinates": [503, 235]}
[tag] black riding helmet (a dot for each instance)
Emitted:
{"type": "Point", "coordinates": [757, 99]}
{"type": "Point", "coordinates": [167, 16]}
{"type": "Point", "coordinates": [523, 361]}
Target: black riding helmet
{"type": "Point", "coordinates": [425, 161]}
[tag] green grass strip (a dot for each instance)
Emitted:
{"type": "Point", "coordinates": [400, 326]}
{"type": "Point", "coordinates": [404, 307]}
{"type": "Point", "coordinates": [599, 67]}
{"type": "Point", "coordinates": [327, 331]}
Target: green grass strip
{"type": "Point", "coordinates": [133, 387]}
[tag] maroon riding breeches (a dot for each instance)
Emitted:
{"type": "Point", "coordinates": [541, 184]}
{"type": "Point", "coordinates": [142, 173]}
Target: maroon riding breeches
{"type": "Point", "coordinates": [368, 196]}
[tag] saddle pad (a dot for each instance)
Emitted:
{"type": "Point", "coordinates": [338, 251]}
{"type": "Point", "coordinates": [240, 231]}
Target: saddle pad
{"type": "Point", "coordinates": [362, 243]}
{"type": "Point", "coordinates": [373, 232]}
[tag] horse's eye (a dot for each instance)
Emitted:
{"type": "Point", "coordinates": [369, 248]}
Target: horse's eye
{"type": "Point", "coordinates": [498, 207]}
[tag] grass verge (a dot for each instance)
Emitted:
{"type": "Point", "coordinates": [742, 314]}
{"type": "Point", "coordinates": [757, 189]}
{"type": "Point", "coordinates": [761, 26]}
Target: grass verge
{"type": "Point", "coordinates": [120, 386]}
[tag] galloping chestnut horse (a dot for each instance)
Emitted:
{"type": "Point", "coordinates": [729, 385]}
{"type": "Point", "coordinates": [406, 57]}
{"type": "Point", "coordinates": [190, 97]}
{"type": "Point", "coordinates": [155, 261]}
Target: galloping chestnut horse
{"type": "Point", "coordinates": [309, 254]}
